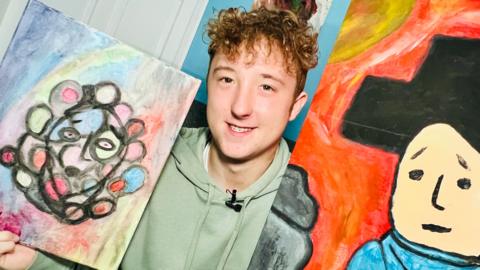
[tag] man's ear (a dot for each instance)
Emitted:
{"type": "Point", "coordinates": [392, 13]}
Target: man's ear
{"type": "Point", "coordinates": [298, 104]}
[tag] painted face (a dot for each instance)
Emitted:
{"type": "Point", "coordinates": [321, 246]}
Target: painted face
{"type": "Point", "coordinates": [437, 195]}
{"type": "Point", "coordinates": [77, 156]}
{"type": "Point", "coordinates": [250, 101]}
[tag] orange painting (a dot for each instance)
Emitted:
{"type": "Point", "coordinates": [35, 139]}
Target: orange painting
{"type": "Point", "coordinates": [353, 182]}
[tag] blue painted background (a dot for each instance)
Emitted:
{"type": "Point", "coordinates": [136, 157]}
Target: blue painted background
{"type": "Point", "coordinates": [196, 62]}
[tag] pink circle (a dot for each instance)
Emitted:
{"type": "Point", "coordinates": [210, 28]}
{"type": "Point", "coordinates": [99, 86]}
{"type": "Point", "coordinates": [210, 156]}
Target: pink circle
{"type": "Point", "coordinates": [69, 95]}
{"type": "Point", "coordinates": [123, 111]}
{"type": "Point", "coordinates": [59, 189]}
{"type": "Point", "coordinates": [135, 151]}
{"type": "Point", "coordinates": [102, 208]}
{"type": "Point", "coordinates": [8, 157]}
{"type": "Point", "coordinates": [135, 129]}
{"type": "Point", "coordinates": [39, 158]}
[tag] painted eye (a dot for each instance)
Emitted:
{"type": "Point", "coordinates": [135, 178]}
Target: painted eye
{"type": "Point", "coordinates": [69, 134]}
{"type": "Point", "coordinates": [105, 144]}
{"type": "Point", "coordinates": [464, 183]}
{"type": "Point", "coordinates": [415, 175]}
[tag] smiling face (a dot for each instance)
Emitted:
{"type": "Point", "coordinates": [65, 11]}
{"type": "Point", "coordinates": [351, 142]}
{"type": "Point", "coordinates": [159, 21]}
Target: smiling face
{"type": "Point", "coordinates": [250, 101]}
{"type": "Point", "coordinates": [437, 195]}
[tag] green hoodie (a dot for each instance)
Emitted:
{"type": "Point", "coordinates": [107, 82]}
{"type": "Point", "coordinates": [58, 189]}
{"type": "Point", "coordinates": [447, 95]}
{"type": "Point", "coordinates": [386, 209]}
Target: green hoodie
{"type": "Point", "coordinates": [187, 225]}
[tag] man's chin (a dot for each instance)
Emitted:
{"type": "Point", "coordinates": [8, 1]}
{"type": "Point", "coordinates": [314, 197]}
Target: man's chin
{"type": "Point", "coordinates": [235, 156]}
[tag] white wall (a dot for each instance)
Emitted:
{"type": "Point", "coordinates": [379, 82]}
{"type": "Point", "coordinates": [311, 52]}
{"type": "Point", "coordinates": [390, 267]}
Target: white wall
{"type": "Point", "coordinates": [163, 28]}
{"type": "Point", "coordinates": [3, 8]}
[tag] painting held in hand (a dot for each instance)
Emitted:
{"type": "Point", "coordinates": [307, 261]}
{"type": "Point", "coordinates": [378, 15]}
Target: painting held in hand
{"type": "Point", "coordinates": [79, 155]}
{"type": "Point", "coordinates": [87, 125]}
{"type": "Point", "coordinates": [390, 145]}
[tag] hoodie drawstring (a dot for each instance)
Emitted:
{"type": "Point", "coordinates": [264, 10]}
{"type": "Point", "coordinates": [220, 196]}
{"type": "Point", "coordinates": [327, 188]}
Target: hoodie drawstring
{"type": "Point", "coordinates": [233, 237]}
{"type": "Point", "coordinates": [201, 221]}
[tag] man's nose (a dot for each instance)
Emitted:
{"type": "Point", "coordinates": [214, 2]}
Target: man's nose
{"type": "Point", "coordinates": [436, 192]}
{"type": "Point", "coordinates": [243, 102]}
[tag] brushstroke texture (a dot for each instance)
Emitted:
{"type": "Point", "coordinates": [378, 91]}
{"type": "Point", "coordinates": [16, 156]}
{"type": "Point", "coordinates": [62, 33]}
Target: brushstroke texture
{"type": "Point", "coordinates": [49, 48]}
{"type": "Point", "coordinates": [352, 182]}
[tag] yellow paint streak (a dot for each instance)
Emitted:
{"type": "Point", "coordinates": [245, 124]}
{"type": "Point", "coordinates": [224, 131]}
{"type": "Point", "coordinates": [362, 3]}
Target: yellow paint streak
{"type": "Point", "coordinates": [366, 23]}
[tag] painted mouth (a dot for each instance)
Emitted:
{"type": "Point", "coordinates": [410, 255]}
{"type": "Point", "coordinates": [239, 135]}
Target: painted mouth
{"type": "Point", "coordinates": [436, 228]}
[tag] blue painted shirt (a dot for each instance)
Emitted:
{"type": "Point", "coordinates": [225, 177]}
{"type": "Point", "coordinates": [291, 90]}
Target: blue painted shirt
{"type": "Point", "coordinates": [396, 252]}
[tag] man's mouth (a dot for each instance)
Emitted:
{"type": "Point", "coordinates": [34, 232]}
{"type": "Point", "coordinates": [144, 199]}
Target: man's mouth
{"type": "Point", "coordinates": [436, 228]}
{"type": "Point", "coordinates": [238, 129]}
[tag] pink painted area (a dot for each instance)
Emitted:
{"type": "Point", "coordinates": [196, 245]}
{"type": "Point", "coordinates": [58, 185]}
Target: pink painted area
{"type": "Point", "coordinates": [13, 222]}
{"type": "Point", "coordinates": [102, 208]}
{"type": "Point", "coordinates": [135, 129]}
{"type": "Point", "coordinates": [123, 111]}
{"type": "Point", "coordinates": [8, 157]}
{"type": "Point", "coordinates": [39, 158]}
{"type": "Point", "coordinates": [69, 95]}
{"type": "Point", "coordinates": [107, 169]}
{"type": "Point", "coordinates": [60, 188]}
{"type": "Point", "coordinates": [135, 150]}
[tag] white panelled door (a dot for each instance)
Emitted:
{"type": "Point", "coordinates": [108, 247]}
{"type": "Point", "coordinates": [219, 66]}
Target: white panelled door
{"type": "Point", "coordinates": [162, 28]}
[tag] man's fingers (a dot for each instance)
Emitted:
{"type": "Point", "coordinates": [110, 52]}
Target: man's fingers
{"type": "Point", "coordinates": [6, 246]}
{"type": "Point", "coordinates": [8, 236]}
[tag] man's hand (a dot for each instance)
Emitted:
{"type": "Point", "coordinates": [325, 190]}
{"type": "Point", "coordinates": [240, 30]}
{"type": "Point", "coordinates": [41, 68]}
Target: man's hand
{"type": "Point", "coordinates": [14, 256]}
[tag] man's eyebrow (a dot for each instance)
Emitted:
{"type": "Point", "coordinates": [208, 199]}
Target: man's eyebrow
{"type": "Point", "coordinates": [218, 68]}
{"type": "Point", "coordinates": [414, 156]}
{"type": "Point", "coordinates": [270, 76]}
{"type": "Point", "coordinates": [462, 162]}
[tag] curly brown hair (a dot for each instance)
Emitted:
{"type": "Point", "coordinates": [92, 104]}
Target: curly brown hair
{"type": "Point", "coordinates": [234, 28]}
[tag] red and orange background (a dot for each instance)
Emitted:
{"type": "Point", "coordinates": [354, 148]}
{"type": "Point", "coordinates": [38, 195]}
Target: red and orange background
{"type": "Point", "coordinates": [352, 182]}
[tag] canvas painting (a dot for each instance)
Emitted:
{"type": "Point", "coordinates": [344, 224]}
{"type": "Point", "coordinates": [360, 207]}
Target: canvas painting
{"type": "Point", "coordinates": [87, 124]}
{"type": "Point", "coordinates": [391, 142]}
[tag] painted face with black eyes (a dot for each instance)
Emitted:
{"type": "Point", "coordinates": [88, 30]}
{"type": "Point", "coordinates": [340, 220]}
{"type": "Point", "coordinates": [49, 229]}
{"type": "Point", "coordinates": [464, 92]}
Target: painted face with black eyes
{"type": "Point", "coordinates": [437, 193]}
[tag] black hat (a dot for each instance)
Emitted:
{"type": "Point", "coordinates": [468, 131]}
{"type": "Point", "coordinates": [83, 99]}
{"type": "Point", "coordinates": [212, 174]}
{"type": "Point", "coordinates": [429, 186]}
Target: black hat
{"type": "Point", "coordinates": [388, 114]}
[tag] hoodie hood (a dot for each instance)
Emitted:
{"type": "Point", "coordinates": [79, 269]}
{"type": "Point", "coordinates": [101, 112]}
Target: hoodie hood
{"type": "Point", "coordinates": [188, 155]}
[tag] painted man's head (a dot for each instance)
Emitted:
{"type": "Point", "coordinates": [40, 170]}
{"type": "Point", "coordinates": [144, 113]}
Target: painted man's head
{"type": "Point", "coordinates": [79, 153]}
{"type": "Point", "coordinates": [432, 123]}
{"type": "Point", "coordinates": [258, 66]}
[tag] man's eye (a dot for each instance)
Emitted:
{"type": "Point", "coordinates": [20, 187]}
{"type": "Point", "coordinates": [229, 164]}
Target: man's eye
{"type": "Point", "coordinates": [415, 174]}
{"type": "Point", "coordinates": [226, 79]}
{"type": "Point", "coordinates": [464, 183]}
{"type": "Point", "coordinates": [266, 87]}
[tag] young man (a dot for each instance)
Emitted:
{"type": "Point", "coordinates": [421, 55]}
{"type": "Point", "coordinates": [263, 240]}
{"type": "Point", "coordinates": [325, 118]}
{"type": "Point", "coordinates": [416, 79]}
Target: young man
{"type": "Point", "coordinates": [216, 190]}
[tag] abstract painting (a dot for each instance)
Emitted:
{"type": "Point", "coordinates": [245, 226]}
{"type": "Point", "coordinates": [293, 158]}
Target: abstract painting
{"type": "Point", "coordinates": [88, 123]}
{"type": "Point", "coordinates": [391, 143]}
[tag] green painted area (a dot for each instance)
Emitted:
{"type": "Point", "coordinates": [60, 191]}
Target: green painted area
{"type": "Point", "coordinates": [39, 117]}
